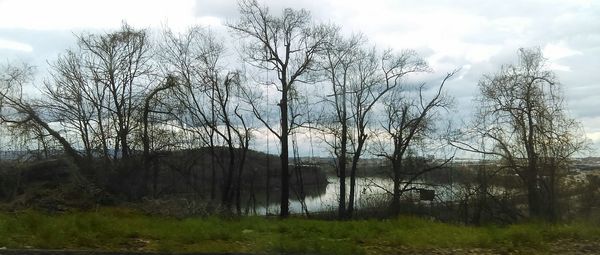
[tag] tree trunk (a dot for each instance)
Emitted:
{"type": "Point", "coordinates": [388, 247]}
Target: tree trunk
{"type": "Point", "coordinates": [78, 160]}
{"type": "Point", "coordinates": [285, 187]}
{"type": "Point", "coordinates": [353, 170]}
{"type": "Point", "coordinates": [350, 210]}
{"type": "Point", "coordinates": [268, 186]}
{"type": "Point", "coordinates": [213, 169]}
{"type": "Point", "coordinates": [397, 167]}
{"type": "Point", "coordinates": [552, 200]}
{"type": "Point", "coordinates": [226, 192]}
{"type": "Point", "coordinates": [533, 191]}
{"type": "Point", "coordinates": [533, 199]}
{"type": "Point", "coordinates": [238, 198]}
{"type": "Point", "coordinates": [342, 171]}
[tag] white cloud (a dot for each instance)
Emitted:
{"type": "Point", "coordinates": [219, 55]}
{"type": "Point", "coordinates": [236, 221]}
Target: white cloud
{"type": "Point", "coordinates": [556, 51]}
{"type": "Point", "coordinates": [558, 67]}
{"type": "Point", "coordinates": [13, 45]}
{"type": "Point", "coordinates": [518, 25]}
{"type": "Point", "coordinates": [594, 136]}
{"type": "Point", "coordinates": [464, 70]}
{"type": "Point", "coordinates": [72, 14]}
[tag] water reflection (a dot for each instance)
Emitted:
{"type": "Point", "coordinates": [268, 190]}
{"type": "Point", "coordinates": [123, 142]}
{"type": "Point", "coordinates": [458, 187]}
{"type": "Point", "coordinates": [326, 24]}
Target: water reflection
{"type": "Point", "coordinates": [371, 192]}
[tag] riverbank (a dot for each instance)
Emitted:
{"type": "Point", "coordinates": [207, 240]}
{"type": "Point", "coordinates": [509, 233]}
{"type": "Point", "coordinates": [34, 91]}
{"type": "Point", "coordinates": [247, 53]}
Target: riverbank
{"type": "Point", "coordinates": [113, 229]}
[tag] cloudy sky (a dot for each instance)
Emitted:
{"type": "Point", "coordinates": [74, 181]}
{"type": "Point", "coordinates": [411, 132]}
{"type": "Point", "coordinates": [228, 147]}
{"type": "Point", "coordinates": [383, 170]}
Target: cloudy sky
{"type": "Point", "coordinates": [476, 36]}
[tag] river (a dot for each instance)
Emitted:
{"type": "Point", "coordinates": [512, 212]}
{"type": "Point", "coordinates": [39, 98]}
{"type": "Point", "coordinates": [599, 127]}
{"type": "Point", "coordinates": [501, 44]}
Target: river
{"type": "Point", "coordinates": [370, 192]}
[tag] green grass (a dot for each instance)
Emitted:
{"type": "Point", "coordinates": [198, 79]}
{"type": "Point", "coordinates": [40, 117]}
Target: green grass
{"type": "Point", "coordinates": [122, 229]}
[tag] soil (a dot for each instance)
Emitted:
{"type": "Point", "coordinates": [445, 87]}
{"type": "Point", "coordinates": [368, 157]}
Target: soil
{"type": "Point", "coordinates": [562, 247]}
{"type": "Point", "coordinates": [565, 246]}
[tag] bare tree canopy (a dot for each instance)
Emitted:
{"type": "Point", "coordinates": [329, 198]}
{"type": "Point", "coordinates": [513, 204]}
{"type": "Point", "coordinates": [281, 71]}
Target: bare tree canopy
{"type": "Point", "coordinates": [411, 118]}
{"type": "Point", "coordinates": [523, 119]}
{"type": "Point", "coordinates": [359, 77]}
{"type": "Point", "coordinates": [285, 45]}
{"type": "Point", "coordinates": [208, 103]}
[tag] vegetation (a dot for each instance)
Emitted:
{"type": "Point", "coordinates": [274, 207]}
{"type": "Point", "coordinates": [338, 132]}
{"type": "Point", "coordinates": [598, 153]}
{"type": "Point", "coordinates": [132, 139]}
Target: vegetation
{"type": "Point", "coordinates": [144, 140]}
{"type": "Point", "coordinates": [121, 229]}
{"type": "Point", "coordinates": [526, 127]}
{"type": "Point", "coordinates": [128, 116]}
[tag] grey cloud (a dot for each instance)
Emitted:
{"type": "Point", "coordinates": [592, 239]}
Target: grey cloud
{"type": "Point", "coordinates": [584, 106]}
{"type": "Point", "coordinates": [424, 52]}
{"type": "Point", "coordinates": [578, 27]}
{"type": "Point", "coordinates": [228, 10]}
{"type": "Point", "coordinates": [496, 9]}
{"type": "Point", "coordinates": [47, 45]}
{"type": "Point", "coordinates": [220, 9]}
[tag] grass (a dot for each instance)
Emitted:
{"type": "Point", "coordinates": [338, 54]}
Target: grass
{"type": "Point", "coordinates": [114, 229]}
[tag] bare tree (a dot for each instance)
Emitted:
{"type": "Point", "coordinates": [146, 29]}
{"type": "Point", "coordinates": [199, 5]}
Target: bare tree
{"type": "Point", "coordinates": [119, 65]}
{"type": "Point", "coordinates": [185, 56]}
{"type": "Point", "coordinates": [522, 114]}
{"type": "Point", "coordinates": [371, 86]}
{"type": "Point", "coordinates": [21, 113]}
{"type": "Point", "coordinates": [67, 99]}
{"type": "Point", "coordinates": [155, 104]}
{"type": "Point", "coordinates": [359, 78]}
{"type": "Point", "coordinates": [410, 118]}
{"type": "Point", "coordinates": [285, 45]}
{"type": "Point", "coordinates": [208, 100]}
{"type": "Point", "coordinates": [96, 92]}
{"type": "Point", "coordinates": [339, 62]}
